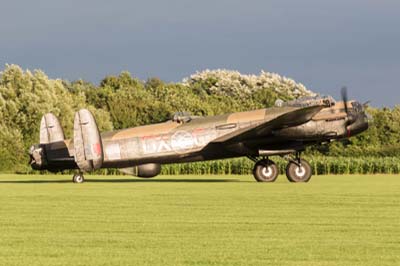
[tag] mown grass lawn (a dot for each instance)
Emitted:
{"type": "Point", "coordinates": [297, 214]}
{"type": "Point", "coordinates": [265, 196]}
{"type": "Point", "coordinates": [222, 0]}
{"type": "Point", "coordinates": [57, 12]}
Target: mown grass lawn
{"type": "Point", "coordinates": [205, 220]}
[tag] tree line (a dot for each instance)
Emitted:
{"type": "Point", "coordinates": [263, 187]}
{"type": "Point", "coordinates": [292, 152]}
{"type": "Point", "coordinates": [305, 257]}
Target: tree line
{"type": "Point", "coordinates": [122, 101]}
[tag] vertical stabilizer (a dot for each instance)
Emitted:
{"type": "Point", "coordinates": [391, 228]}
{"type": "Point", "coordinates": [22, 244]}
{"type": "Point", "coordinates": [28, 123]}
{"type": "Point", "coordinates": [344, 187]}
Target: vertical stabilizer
{"type": "Point", "coordinates": [50, 129]}
{"type": "Point", "coordinates": [87, 142]}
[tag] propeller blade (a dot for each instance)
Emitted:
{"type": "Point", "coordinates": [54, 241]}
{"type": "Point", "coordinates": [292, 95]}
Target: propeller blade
{"type": "Point", "coordinates": [350, 116]}
{"type": "Point", "coordinates": [345, 99]}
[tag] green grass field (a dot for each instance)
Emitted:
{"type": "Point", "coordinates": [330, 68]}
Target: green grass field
{"type": "Point", "coordinates": [206, 220]}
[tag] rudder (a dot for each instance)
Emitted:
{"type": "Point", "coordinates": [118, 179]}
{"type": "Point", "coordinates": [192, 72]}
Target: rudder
{"type": "Point", "coordinates": [87, 142]}
{"type": "Point", "coordinates": [50, 129]}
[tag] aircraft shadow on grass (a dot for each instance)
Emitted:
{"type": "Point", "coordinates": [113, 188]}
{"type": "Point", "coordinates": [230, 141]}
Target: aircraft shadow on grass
{"type": "Point", "coordinates": [122, 181]}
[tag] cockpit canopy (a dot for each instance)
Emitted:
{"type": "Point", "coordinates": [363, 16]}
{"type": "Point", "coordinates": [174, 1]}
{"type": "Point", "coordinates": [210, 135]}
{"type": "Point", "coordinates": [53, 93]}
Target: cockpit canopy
{"type": "Point", "coordinates": [182, 117]}
{"type": "Point", "coordinates": [327, 101]}
{"type": "Point", "coordinates": [357, 107]}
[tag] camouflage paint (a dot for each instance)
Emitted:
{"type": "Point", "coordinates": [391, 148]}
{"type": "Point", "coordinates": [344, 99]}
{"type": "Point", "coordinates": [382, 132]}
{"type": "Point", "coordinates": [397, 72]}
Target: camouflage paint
{"type": "Point", "coordinates": [222, 136]}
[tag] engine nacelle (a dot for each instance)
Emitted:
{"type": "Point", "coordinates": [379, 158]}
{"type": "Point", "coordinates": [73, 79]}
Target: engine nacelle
{"type": "Point", "coordinates": [314, 130]}
{"type": "Point", "coordinates": [147, 170]}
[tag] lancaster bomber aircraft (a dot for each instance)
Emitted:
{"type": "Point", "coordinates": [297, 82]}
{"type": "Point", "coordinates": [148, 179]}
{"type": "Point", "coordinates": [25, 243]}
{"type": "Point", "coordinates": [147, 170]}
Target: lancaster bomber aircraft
{"type": "Point", "coordinates": [283, 130]}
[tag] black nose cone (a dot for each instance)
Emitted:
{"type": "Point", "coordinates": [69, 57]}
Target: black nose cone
{"type": "Point", "coordinates": [359, 125]}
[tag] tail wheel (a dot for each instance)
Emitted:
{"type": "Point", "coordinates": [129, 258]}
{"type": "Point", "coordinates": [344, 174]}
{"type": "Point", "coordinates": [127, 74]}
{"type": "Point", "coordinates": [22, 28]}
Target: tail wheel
{"type": "Point", "coordinates": [298, 171]}
{"type": "Point", "coordinates": [78, 178]}
{"type": "Point", "coordinates": [265, 171]}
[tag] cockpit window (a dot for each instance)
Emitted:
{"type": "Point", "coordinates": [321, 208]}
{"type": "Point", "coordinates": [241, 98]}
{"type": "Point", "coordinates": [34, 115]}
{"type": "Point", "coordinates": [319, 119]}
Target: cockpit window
{"type": "Point", "coordinates": [357, 106]}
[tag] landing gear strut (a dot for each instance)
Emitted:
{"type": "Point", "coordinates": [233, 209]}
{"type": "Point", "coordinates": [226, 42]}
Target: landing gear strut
{"type": "Point", "coordinates": [78, 178]}
{"type": "Point", "coordinates": [298, 170]}
{"type": "Point", "coordinates": [265, 170]}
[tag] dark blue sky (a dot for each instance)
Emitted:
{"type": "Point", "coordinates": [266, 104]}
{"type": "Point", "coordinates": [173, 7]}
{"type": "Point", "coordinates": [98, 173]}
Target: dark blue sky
{"type": "Point", "coordinates": [323, 44]}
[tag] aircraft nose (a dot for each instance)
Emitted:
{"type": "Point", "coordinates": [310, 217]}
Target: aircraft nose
{"type": "Point", "coordinates": [360, 124]}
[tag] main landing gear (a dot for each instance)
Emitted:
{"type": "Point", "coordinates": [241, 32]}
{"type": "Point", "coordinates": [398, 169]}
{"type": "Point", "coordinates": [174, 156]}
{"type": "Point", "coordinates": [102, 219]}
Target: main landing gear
{"type": "Point", "coordinates": [78, 178]}
{"type": "Point", "coordinates": [297, 170]}
{"type": "Point", "coordinates": [265, 170]}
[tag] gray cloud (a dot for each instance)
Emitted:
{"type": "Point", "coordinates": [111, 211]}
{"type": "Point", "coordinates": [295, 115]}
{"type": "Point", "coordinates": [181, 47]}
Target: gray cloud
{"type": "Point", "coordinates": [323, 44]}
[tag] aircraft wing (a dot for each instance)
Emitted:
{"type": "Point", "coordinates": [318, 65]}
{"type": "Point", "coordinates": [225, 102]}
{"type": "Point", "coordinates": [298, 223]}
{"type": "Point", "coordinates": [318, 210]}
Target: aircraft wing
{"type": "Point", "coordinates": [292, 118]}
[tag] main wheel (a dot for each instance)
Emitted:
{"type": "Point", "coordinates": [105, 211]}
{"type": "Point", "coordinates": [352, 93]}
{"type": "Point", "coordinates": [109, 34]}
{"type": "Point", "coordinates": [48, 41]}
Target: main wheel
{"type": "Point", "coordinates": [78, 178]}
{"type": "Point", "coordinates": [265, 171]}
{"type": "Point", "coordinates": [298, 172]}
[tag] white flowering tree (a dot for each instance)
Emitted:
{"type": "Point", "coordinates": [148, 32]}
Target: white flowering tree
{"type": "Point", "coordinates": [234, 84]}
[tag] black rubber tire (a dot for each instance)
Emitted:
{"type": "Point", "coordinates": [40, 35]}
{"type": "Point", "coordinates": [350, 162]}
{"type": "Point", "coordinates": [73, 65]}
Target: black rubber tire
{"type": "Point", "coordinates": [295, 173]}
{"type": "Point", "coordinates": [78, 178]}
{"type": "Point", "coordinates": [265, 171]}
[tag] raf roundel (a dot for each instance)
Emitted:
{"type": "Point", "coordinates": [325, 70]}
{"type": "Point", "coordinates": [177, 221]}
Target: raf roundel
{"type": "Point", "coordinates": [182, 141]}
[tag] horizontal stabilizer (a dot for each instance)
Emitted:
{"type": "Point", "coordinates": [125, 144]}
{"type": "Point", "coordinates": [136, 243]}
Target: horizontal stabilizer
{"type": "Point", "coordinates": [50, 129]}
{"type": "Point", "coordinates": [87, 142]}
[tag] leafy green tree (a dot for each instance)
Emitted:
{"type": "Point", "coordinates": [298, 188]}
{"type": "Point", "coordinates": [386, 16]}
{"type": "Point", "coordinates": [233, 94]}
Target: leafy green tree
{"type": "Point", "coordinates": [25, 97]}
{"type": "Point", "coordinates": [12, 152]}
{"type": "Point", "coordinates": [122, 101]}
